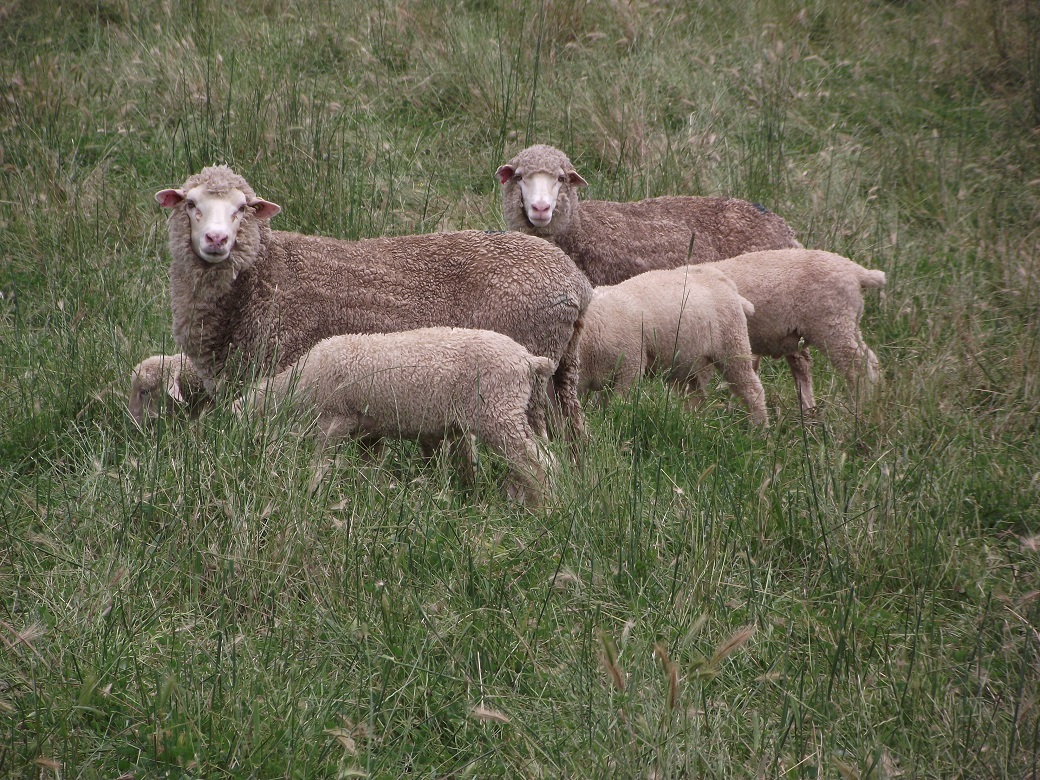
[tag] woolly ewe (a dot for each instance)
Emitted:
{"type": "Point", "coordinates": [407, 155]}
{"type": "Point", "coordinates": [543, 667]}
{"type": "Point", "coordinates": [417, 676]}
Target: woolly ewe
{"type": "Point", "coordinates": [248, 298]}
{"type": "Point", "coordinates": [612, 242]}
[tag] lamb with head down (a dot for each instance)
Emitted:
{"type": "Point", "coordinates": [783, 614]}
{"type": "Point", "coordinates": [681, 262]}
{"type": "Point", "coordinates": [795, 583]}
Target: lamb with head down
{"type": "Point", "coordinates": [425, 384]}
{"type": "Point", "coordinates": [808, 298]}
{"type": "Point", "coordinates": [678, 323]}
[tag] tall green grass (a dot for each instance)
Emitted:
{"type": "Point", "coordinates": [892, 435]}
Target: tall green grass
{"type": "Point", "coordinates": [850, 595]}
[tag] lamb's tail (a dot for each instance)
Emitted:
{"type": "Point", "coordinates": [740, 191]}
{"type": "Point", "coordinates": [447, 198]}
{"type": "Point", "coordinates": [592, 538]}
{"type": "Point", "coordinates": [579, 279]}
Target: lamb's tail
{"type": "Point", "coordinates": [869, 278]}
{"type": "Point", "coordinates": [748, 306]}
{"type": "Point", "coordinates": [542, 366]}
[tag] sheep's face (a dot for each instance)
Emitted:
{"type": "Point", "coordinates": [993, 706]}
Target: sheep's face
{"type": "Point", "coordinates": [540, 189]}
{"type": "Point", "coordinates": [215, 217]}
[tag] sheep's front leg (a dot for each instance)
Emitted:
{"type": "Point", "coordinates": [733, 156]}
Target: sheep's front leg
{"type": "Point", "coordinates": [857, 363]}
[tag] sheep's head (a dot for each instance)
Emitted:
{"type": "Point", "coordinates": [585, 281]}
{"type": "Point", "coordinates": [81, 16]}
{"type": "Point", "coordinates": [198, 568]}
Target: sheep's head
{"type": "Point", "coordinates": [216, 202]}
{"type": "Point", "coordinates": [541, 172]}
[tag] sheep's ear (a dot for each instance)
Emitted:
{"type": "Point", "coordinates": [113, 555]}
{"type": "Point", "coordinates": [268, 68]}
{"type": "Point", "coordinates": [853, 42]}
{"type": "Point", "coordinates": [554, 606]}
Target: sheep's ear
{"type": "Point", "coordinates": [169, 198]}
{"type": "Point", "coordinates": [575, 178]}
{"type": "Point", "coordinates": [505, 173]}
{"type": "Point", "coordinates": [264, 209]}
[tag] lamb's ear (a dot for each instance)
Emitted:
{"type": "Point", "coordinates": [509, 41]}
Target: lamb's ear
{"type": "Point", "coordinates": [264, 209]}
{"type": "Point", "coordinates": [575, 178]}
{"type": "Point", "coordinates": [173, 386]}
{"type": "Point", "coordinates": [505, 173]}
{"type": "Point", "coordinates": [169, 198]}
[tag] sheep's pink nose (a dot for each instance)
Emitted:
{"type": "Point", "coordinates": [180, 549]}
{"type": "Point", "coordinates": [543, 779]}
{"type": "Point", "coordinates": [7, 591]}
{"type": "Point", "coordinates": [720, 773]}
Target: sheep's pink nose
{"type": "Point", "coordinates": [217, 240]}
{"type": "Point", "coordinates": [541, 209]}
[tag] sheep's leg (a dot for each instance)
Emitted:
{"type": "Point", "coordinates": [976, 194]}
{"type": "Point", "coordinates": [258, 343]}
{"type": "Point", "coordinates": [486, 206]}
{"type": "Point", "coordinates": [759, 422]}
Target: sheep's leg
{"type": "Point", "coordinates": [516, 443]}
{"type": "Point", "coordinates": [856, 362]}
{"type": "Point", "coordinates": [563, 388]}
{"type": "Point", "coordinates": [744, 382]}
{"type": "Point", "coordinates": [465, 458]}
{"type": "Point", "coordinates": [694, 387]}
{"type": "Point", "coordinates": [538, 407]}
{"type": "Point", "coordinates": [801, 370]}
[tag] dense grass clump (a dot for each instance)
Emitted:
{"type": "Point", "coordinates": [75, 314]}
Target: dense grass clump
{"type": "Point", "coordinates": [850, 595]}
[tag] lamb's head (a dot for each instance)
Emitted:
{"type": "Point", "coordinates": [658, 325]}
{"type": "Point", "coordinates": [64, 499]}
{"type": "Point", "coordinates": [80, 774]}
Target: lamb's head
{"type": "Point", "coordinates": [538, 185]}
{"type": "Point", "coordinates": [216, 204]}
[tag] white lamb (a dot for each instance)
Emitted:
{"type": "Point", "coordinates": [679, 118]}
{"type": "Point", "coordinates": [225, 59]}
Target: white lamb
{"type": "Point", "coordinates": [426, 384]}
{"type": "Point", "coordinates": [678, 323]}
{"type": "Point", "coordinates": [802, 298]}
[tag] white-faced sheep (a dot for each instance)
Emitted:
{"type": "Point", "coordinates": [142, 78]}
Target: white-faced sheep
{"type": "Point", "coordinates": [425, 384]}
{"type": "Point", "coordinates": [245, 297]}
{"type": "Point", "coordinates": [803, 298]}
{"type": "Point", "coordinates": [612, 242]}
{"type": "Point", "coordinates": [678, 323]}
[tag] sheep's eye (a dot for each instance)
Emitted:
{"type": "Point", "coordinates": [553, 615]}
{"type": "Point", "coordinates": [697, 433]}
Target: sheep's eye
{"type": "Point", "coordinates": [190, 205]}
{"type": "Point", "coordinates": [561, 178]}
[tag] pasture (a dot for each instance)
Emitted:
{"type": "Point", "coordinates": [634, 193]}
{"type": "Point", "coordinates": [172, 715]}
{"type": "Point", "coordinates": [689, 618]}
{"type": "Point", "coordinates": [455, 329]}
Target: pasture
{"type": "Point", "coordinates": [851, 595]}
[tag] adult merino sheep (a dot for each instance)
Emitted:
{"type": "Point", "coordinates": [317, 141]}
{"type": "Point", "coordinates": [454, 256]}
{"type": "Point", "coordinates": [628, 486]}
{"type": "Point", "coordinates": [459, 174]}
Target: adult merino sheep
{"type": "Point", "coordinates": [425, 384]}
{"type": "Point", "coordinates": [612, 242]}
{"type": "Point", "coordinates": [677, 323]}
{"type": "Point", "coordinates": [249, 298]}
{"type": "Point", "coordinates": [807, 297]}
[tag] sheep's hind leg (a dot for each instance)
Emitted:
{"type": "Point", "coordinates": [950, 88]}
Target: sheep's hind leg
{"type": "Point", "coordinates": [563, 392]}
{"type": "Point", "coordinates": [516, 443]}
{"type": "Point", "coordinates": [857, 363]}
{"type": "Point", "coordinates": [800, 363]}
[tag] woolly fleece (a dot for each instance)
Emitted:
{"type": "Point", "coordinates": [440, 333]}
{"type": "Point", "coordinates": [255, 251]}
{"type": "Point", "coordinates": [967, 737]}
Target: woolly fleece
{"type": "Point", "coordinates": [807, 296]}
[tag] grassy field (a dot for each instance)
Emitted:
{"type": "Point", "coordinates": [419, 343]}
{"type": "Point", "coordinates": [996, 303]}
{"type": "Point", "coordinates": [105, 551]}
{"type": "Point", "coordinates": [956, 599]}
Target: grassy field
{"type": "Point", "coordinates": [852, 596]}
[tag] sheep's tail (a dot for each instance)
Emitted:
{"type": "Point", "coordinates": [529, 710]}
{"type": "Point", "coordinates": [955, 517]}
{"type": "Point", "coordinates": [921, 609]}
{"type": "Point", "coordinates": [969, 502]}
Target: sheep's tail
{"type": "Point", "coordinates": [868, 278]}
{"type": "Point", "coordinates": [543, 367]}
{"type": "Point", "coordinates": [748, 306]}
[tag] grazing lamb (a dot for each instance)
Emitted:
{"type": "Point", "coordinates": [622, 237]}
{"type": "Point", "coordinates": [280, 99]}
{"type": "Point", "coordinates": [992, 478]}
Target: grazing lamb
{"type": "Point", "coordinates": [678, 323]}
{"type": "Point", "coordinates": [160, 382]}
{"type": "Point", "coordinates": [807, 297]}
{"type": "Point", "coordinates": [612, 242]}
{"type": "Point", "coordinates": [246, 297]}
{"type": "Point", "coordinates": [426, 384]}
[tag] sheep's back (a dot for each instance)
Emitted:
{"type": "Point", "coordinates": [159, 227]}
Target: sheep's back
{"type": "Point", "coordinates": [615, 241]}
{"type": "Point", "coordinates": [511, 283]}
{"type": "Point", "coordinates": [413, 379]}
{"type": "Point", "coordinates": [793, 290]}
